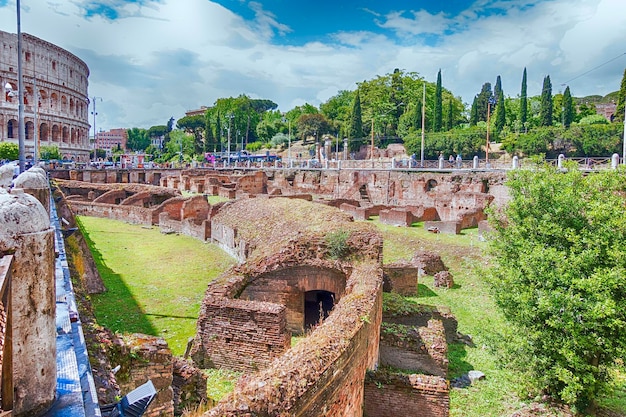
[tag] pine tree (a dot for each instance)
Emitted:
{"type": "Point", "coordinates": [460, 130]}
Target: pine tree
{"type": "Point", "coordinates": [621, 99]}
{"type": "Point", "coordinates": [438, 105]}
{"type": "Point", "coordinates": [523, 108]}
{"type": "Point", "coordinates": [482, 101]}
{"type": "Point", "coordinates": [356, 122]}
{"type": "Point", "coordinates": [545, 111]}
{"type": "Point", "coordinates": [568, 108]}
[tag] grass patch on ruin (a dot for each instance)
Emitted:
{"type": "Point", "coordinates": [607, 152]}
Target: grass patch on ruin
{"type": "Point", "coordinates": [155, 282]}
{"type": "Point", "coordinates": [220, 382]}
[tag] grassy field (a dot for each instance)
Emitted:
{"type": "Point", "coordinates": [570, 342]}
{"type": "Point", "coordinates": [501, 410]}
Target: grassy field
{"type": "Point", "coordinates": [156, 283]}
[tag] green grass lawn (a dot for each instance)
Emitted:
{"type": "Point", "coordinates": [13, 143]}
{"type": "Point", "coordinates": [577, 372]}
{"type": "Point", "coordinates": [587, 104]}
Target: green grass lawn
{"type": "Point", "coordinates": [155, 282]}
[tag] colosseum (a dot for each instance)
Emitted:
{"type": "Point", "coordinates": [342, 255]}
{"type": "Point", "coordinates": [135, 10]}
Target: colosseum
{"type": "Point", "coordinates": [55, 97]}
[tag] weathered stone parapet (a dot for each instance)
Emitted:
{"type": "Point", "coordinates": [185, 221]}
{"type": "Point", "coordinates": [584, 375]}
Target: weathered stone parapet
{"type": "Point", "coordinates": [35, 182]}
{"type": "Point", "coordinates": [25, 230]}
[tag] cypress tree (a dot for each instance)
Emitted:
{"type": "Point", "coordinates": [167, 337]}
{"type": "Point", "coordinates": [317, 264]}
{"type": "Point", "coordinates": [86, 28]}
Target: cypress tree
{"type": "Point", "coordinates": [568, 108]}
{"type": "Point", "coordinates": [356, 121]}
{"type": "Point", "coordinates": [482, 101]}
{"type": "Point", "coordinates": [497, 89]}
{"type": "Point", "coordinates": [621, 99]}
{"type": "Point", "coordinates": [449, 118]}
{"type": "Point", "coordinates": [438, 105]}
{"type": "Point", "coordinates": [218, 128]}
{"type": "Point", "coordinates": [523, 107]}
{"type": "Point", "coordinates": [474, 112]}
{"type": "Point", "coordinates": [500, 111]}
{"type": "Point", "coordinates": [545, 111]}
{"type": "Point", "coordinates": [209, 139]}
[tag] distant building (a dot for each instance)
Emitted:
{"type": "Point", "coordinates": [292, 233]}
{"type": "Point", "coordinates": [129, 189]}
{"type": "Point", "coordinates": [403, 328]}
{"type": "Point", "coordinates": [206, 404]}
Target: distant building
{"type": "Point", "coordinates": [111, 140]}
{"type": "Point", "coordinates": [198, 112]}
{"type": "Point", "coordinates": [606, 109]}
{"type": "Point", "coordinates": [55, 97]}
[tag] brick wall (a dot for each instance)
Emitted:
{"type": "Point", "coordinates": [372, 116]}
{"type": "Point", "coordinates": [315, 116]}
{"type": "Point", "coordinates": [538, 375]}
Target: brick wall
{"type": "Point", "coordinates": [399, 216]}
{"type": "Point", "coordinates": [388, 395]}
{"type": "Point", "coordinates": [240, 335]}
{"type": "Point", "coordinates": [131, 214]}
{"type": "Point", "coordinates": [400, 278]}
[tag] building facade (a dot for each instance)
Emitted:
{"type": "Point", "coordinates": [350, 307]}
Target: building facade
{"type": "Point", "coordinates": [56, 101]}
{"type": "Point", "coordinates": [111, 140]}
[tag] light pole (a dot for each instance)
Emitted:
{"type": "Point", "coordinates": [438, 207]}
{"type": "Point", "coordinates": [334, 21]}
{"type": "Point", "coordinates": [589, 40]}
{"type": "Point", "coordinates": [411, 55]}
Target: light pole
{"type": "Point", "coordinates": [285, 119]}
{"type": "Point", "coordinates": [95, 113]}
{"type": "Point", "coordinates": [20, 88]}
{"type": "Point", "coordinates": [491, 101]}
{"type": "Point", "coordinates": [230, 119]}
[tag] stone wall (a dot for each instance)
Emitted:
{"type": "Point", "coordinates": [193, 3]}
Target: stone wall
{"type": "Point", "coordinates": [388, 395]}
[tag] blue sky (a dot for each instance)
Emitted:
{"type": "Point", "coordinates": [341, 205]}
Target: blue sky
{"type": "Point", "coordinates": [154, 59]}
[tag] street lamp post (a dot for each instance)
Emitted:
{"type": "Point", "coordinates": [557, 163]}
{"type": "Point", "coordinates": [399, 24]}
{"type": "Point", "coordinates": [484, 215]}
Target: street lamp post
{"type": "Point", "coordinates": [230, 119]}
{"type": "Point", "coordinates": [20, 88]}
{"type": "Point", "coordinates": [285, 119]}
{"type": "Point", "coordinates": [95, 139]}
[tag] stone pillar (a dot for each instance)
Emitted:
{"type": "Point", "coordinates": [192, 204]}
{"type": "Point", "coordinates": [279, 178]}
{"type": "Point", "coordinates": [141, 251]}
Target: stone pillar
{"type": "Point", "coordinates": [515, 162]}
{"type": "Point", "coordinates": [614, 161]}
{"type": "Point", "coordinates": [560, 161]}
{"type": "Point", "coordinates": [25, 229]}
{"type": "Point", "coordinates": [475, 162]}
{"type": "Point", "coordinates": [440, 161]}
{"type": "Point", "coordinates": [35, 182]}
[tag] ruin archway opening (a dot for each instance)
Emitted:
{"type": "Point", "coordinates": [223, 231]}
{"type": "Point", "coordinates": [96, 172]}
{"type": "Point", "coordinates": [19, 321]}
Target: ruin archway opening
{"type": "Point", "coordinates": [317, 306]}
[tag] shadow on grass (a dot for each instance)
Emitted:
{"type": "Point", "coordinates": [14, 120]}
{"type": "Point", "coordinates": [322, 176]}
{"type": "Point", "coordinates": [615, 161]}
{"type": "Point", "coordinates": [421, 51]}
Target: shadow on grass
{"type": "Point", "coordinates": [116, 308]}
{"type": "Point", "coordinates": [457, 366]}
{"type": "Point", "coordinates": [166, 316]}
{"type": "Point", "coordinates": [424, 291]}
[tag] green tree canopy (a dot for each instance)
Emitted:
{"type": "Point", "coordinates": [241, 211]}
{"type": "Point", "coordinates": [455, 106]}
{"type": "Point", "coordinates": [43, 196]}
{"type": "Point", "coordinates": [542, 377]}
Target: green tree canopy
{"type": "Point", "coordinates": [569, 111]}
{"type": "Point", "coordinates": [194, 125]}
{"type": "Point", "coordinates": [523, 108]}
{"type": "Point", "coordinates": [11, 151]}
{"type": "Point", "coordinates": [138, 139]}
{"type": "Point", "coordinates": [559, 277]}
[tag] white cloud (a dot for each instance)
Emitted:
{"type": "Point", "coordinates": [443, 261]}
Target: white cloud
{"type": "Point", "coordinates": [164, 57]}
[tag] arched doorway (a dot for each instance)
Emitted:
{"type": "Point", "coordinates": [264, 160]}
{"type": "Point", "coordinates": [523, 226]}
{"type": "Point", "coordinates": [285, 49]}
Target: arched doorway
{"type": "Point", "coordinates": [317, 306]}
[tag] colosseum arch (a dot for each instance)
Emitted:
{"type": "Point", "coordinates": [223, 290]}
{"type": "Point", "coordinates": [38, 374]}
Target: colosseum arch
{"type": "Point", "coordinates": [56, 133]}
{"type": "Point", "coordinates": [72, 108]}
{"type": "Point", "coordinates": [54, 101]}
{"type": "Point", "coordinates": [66, 135]}
{"type": "Point", "coordinates": [43, 132]}
{"type": "Point", "coordinates": [12, 129]}
{"type": "Point", "coordinates": [64, 104]}
{"type": "Point", "coordinates": [30, 130]}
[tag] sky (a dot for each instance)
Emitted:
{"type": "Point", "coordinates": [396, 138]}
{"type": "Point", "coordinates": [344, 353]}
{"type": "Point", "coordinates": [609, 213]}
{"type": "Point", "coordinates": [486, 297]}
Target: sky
{"type": "Point", "coordinates": [150, 60]}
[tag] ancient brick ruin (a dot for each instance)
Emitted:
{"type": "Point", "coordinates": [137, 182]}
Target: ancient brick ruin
{"type": "Point", "coordinates": [290, 282]}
